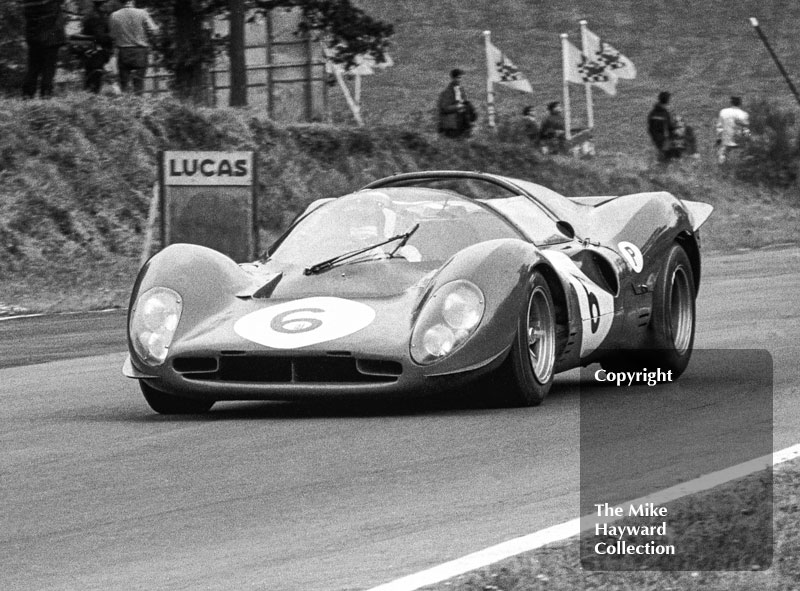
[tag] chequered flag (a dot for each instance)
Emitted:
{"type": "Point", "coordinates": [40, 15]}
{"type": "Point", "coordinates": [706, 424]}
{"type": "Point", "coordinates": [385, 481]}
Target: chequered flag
{"type": "Point", "coordinates": [508, 71]}
{"type": "Point", "coordinates": [580, 70]}
{"type": "Point", "coordinates": [604, 53]}
{"type": "Point", "coordinates": [609, 56]}
{"type": "Point", "coordinates": [503, 71]}
{"type": "Point", "coordinates": [593, 72]}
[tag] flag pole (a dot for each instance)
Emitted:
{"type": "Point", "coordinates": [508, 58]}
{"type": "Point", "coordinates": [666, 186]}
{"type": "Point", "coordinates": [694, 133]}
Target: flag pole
{"type": "Point", "coordinates": [489, 84]}
{"type": "Point", "coordinates": [565, 69]}
{"type": "Point", "coordinates": [589, 104]}
{"type": "Point", "coordinates": [754, 22]}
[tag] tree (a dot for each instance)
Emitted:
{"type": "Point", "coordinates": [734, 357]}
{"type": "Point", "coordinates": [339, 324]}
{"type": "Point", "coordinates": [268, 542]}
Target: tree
{"type": "Point", "coordinates": [236, 44]}
{"type": "Point", "coordinates": [186, 46]}
{"type": "Point", "coordinates": [12, 47]}
{"type": "Point", "coordinates": [345, 28]}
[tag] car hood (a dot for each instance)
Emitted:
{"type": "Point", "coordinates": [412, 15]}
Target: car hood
{"type": "Point", "coordinates": [361, 306]}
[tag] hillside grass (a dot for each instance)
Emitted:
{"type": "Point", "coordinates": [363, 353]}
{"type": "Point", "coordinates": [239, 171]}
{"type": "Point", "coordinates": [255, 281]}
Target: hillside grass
{"type": "Point", "coordinates": [78, 173]}
{"type": "Point", "coordinates": [700, 51]}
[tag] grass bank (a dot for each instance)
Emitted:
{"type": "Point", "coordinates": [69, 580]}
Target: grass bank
{"type": "Point", "coordinates": [702, 520]}
{"type": "Point", "coordinates": [77, 174]}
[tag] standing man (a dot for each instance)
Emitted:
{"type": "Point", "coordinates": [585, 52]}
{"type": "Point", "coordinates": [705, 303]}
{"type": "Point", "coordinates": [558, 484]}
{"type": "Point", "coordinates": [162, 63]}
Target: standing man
{"type": "Point", "coordinates": [96, 26]}
{"type": "Point", "coordinates": [733, 125]}
{"type": "Point", "coordinates": [661, 127]}
{"type": "Point", "coordinates": [456, 114]}
{"type": "Point", "coordinates": [530, 125]}
{"type": "Point", "coordinates": [129, 28]}
{"type": "Point", "coordinates": [44, 35]}
{"type": "Point", "coordinates": [552, 133]}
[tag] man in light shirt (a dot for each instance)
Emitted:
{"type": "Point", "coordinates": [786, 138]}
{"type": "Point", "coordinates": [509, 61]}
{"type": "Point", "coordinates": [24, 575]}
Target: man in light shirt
{"type": "Point", "coordinates": [129, 28]}
{"type": "Point", "coordinates": [733, 125]}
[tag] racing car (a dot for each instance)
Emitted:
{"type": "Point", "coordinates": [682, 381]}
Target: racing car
{"type": "Point", "coordinates": [421, 282]}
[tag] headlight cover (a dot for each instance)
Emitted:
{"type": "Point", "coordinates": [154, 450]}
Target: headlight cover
{"type": "Point", "coordinates": [447, 320]}
{"type": "Point", "coordinates": [155, 317]}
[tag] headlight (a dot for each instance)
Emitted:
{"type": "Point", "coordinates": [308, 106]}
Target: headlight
{"type": "Point", "coordinates": [153, 322]}
{"type": "Point", "coordinates": [447, 320]}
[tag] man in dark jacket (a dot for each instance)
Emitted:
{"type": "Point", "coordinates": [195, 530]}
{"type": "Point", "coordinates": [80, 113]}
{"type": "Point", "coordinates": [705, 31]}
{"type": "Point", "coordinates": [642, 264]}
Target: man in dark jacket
{"type": "Point", "coordinates": [44, 35]}
{"type": "Point", "coordinates": [552, 133]}
{"type": "Point", "coordinates": [95, 25]}
{"type": "Point", "coordinates": [456, 114]}
{"type": "Point", "coordinates": [661, 127]}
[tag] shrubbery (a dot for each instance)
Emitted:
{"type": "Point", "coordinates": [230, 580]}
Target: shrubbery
{"type": "Point", "coordinates": [772, 155]}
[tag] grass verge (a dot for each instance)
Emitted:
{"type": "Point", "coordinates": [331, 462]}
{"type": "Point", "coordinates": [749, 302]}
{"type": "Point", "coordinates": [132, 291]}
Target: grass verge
{"type": "Point", "coordinates": [703, 522]}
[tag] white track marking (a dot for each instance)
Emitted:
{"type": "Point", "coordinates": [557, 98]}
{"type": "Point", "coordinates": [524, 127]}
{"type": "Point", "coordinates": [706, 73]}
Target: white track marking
{"type": "Point", "coordinates": [573, 527]}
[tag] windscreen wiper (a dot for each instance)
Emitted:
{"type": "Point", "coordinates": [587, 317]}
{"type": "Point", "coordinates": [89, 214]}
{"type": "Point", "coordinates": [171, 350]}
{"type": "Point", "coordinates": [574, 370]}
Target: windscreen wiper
{"type": "Point", "coordinates": [332, 262]}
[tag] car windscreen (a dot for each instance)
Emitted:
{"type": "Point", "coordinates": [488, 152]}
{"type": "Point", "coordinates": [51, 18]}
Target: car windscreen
{"type": "Point", "coordinates": [535, 216]}
{"type": "Point", "coordinates": [447, 223]}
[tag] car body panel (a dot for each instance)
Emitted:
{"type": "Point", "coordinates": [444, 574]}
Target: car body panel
{"type": "Point", "coordinates": [353, 322]}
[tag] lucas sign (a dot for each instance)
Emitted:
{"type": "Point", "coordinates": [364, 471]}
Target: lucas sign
{"type": "Point", "coordinates": [208, 168]}
{"type": "Point", "coordinates": [208, 198]}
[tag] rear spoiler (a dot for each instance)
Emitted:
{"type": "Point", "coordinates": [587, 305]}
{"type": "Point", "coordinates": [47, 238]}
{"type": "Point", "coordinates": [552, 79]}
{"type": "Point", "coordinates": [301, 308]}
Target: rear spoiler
{"type": "Point", "coordinates": [698, 212]}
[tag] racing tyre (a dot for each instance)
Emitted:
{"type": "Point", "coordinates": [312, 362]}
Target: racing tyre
{"type": "Point", "coordinates": [673, 319]}
{"type": "Point", "coordinates": [528, 371]}
{"type": "Point", "coordinates": [167, 404]}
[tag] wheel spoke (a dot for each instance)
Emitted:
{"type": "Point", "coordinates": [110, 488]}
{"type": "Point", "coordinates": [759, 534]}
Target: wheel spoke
{"type": "Point", "coordinates": [541, 336]}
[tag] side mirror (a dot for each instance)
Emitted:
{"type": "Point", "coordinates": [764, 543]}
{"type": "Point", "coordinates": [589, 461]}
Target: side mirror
{"type": "Point", "coordinates": [566, 229]}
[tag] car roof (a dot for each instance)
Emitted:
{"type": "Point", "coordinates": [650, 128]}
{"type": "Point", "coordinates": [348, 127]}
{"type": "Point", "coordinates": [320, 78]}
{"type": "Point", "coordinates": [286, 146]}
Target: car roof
{"type": "Point", "coordinates": [557, 206]}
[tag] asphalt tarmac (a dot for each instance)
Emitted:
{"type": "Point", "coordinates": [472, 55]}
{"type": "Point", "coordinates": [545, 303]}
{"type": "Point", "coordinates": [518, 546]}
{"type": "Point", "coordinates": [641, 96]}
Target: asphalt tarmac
{"type": "Point", "coordinates": [98, 492]}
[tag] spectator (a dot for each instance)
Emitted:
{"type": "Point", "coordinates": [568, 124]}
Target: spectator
{"type": "Point", "coordinates": [661, 127]}
{"type": "Point", "coordinates": [531, 126]}
{"type": "Point", "coordinates": [683, 139]}
{"type": "Point", "coordinates": [733, 125]}
{"type": "Point", "coordinates": [129, 27]}
{"type": "Point", "coordinates": [95, 26]}
{"type": "Point", "coordinates": [456, 114]}
{"type": "Point", "coordinates": [552, 135]}
{"type": "Point", "coordinates": [44, 35]}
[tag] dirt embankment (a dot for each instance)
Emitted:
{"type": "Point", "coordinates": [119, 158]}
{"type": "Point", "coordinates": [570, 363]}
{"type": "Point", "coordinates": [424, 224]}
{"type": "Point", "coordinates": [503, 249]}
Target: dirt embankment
{"type": "Point", "coordinates": [78, 174]}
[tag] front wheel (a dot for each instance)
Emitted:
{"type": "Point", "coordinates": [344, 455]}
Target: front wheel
{"type": "Point", "coordinates": [672, 323]}
{"type": "Point", "coordinates": [168, 404]}
{"type": "Point", "coordinates": [528, 371]}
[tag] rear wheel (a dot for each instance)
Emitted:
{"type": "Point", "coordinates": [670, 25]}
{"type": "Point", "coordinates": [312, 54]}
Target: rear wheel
{"type": "Point", "coordinates": [528, 371]}
{"type": "Point", "coordinates": [673, 319]}
{"type": "Point", "coordinates": [169, 404]}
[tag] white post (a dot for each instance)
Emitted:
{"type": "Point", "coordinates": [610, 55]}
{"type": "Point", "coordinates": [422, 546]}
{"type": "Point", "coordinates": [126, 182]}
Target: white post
{"type": "Point", "coordinates": [489, 85]}
{"type": "Point", "coordinates": [589, 105]}
{"type": "Point", "coordinates": [565, 68]}
{"type": "Point", "coordinates": [354, 108]}
{"type": "Point", "coordinates": [357, 89]}
{"type": "Point", "coordinates": [155, 204]}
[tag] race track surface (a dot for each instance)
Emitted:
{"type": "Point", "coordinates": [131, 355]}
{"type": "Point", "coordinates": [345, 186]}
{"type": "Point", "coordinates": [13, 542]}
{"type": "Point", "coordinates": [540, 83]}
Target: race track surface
{"type": "Point", "coordinates": [100, 493]}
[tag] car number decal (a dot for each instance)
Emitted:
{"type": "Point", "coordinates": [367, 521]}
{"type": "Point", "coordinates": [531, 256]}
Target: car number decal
{"type": "Point", "coordinates": [596, 304]}
{"type": "Point", "coordinates": [631, 253]}
{"type": "Point", "coordinates": [304, 322]}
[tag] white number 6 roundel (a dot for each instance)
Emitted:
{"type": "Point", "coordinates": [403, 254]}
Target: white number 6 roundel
{"type": "Point", "coordinates": [300, 323]}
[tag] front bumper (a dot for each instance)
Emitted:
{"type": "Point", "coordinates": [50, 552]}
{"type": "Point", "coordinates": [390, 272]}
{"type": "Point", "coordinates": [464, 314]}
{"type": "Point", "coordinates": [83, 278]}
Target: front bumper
{"type": "Point", "coordinates": [238, 375]}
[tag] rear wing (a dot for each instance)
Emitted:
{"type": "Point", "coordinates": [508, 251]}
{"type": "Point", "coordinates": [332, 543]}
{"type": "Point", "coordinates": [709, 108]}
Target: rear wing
{"type": "Point", "coordinates": [698, 212]}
